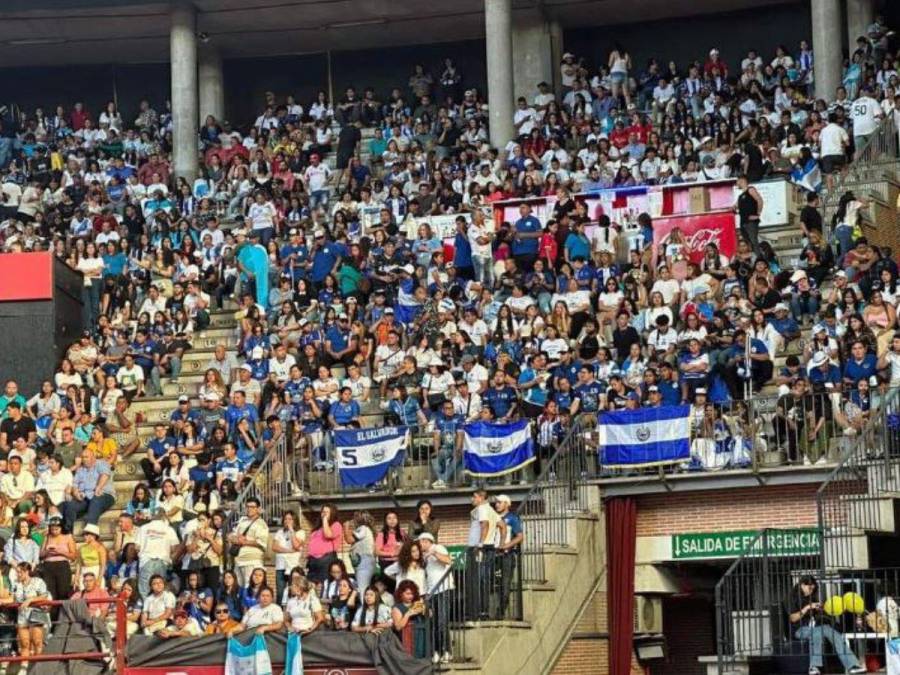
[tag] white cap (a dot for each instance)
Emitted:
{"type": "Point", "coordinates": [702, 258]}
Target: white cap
{"type": "Point", "coordinates": [247, 367]}
{"type": "Point", "coordinates": [818, 359]}
{"type": "Point", "coordinates": [409, 269]}
{"type": "Point", "coordinates": [426, 535]}
{"type": "Point", "coordinates": [797, 276]}
{"type": "Point", "coordinates": [257, 352]}
{"type": "Point", "coordinates": [240, 232]}
{"type": "Point", "coordinates": [436, 361]}
{"type": "Point", "coordinates": [781, 307]}
{"type": "Point", "coordinates": [319, 232]}
{"type": "Point", "coordinates": [503, 498]}
{"type": "Point", "coordinates": [212, 396]}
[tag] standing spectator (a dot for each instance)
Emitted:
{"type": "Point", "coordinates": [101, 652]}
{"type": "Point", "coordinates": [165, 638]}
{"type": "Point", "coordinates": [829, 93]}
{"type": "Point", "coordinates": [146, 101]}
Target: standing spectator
{"type": "Point", "coordinates": [156, 544]}
{"type": "Point", "coordinates": [248, 542]}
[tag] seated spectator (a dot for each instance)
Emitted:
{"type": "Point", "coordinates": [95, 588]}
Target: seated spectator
{"type": "Point", "coordinates": [264, 617]}
{"type": "Point", "coordinates": [303, 612]}
{"type": "Point", "coordinates": [373, 616]}
{"type": "Point", "coordinates": [92, 590]}
{"type": "Point", "coordinates": [92, 492]}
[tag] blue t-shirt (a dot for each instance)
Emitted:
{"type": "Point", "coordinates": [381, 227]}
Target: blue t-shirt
{"type": "Point", "coordinates": [447, 428]}
{"type": "Point", "coordinates": [229, 469]}
{"type": "Point", "coordinates": [564, 399]}
{"type": "Point", "coordinates": [589, 395]}
{"type": "Point", "coordinates": [178, 416]}
{"type": "Point", "coordinates": [861, 371]}
{"type": "Point", "coordinates": [526, 225]}
{"type": "Point", "coordinates": [199, 474]}
{"type": "Point", "coordinates": [462, 251]}
{"type": "Point", "coordinates": [513, 524]}
{"type": "Point", "coordinates": [578, 246]}
{"type": "Point", "coordinates": [234, 414]}
{"type": "Point", "coordinates": [301, 256]}
{"type": "Point", "coordinates": [500, 401]}
{"type": "Point", "coordinates": [160, 446]}
{"type": "Point", "coordinates": [339, 338]}
{"type": "Point", "coordinates": [344, 412]}
{"type": "Point", "coordinates": [536, 395]}
{"type": "Point", "coordinates": [670, 392]}
{"type": "Point", "coordinates": [818, 377]}
{"type": "Point", "coordinates": [323, 261]}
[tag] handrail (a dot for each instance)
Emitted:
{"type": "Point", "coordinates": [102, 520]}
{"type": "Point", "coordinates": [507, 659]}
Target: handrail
{"type": "Point", "coordinates": [271, 490]}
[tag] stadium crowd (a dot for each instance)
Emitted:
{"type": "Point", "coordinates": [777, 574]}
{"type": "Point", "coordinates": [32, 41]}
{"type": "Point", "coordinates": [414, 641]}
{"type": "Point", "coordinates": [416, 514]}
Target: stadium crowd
{"type": "Point", "coordinates": [347, 297]}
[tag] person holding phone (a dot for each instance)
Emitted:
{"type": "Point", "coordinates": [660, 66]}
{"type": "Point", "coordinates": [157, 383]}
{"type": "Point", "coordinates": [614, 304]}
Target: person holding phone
{"type": "Point", "coordinates": [809, 624]}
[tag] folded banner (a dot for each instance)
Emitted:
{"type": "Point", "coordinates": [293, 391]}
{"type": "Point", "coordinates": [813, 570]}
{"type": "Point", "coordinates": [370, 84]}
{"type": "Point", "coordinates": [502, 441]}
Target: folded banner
{"type": "Point", "coordinates": [645, 436]}
{"type": "Point", "coordinates": [249, 659]}
{"type": "Point", "coordinates": [366, 455]}
{"type": "Point", "coordinates": [293, 656]}
{"type": "Point", "coordinates": [497, 449]}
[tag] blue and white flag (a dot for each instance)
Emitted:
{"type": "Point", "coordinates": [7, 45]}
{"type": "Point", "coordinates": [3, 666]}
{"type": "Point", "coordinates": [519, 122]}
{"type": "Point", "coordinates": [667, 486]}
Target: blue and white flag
{"type": "Point", "coordinates": [365, 456]}
{"type": "Point", "coordinates": [293, 655]}
{"type": "Point", "coordinates": [645, 436]}
{"type": "Point", "coordinates": [497, 449]}
{"type": "Point", "coordinates": [249, 659]}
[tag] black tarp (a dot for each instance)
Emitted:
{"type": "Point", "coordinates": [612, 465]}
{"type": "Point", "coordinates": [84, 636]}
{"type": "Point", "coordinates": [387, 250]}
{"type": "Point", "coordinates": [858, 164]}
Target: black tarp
{"type": "Point", "coordinates": [75, 632]}
{"type": "Point", "coordinates": [384, 651]}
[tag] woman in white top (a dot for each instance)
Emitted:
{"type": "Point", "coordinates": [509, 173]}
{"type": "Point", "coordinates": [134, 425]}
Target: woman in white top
{"type": "Point", "coordinates": [303, 612]}
{"type": "Point", "coordinates": [409, 565]}
{"type": "Point", "coordinates": [619, 64]}
{"type": "Point", "coordinates": [65, 376]}
{"type": "Point", "coordinates": [657, 308]}
{"type": "Point", "coordinates": [436, 383]}
{"type": "Point", "coordinates": [31, 623]}
{"type": "Point", "coordinates": [373, 616]}
{"type": "Point", "coordinates": [44, 404]}
{"type": "Point", "coordinates": [287, 543]}
{"type": "Point", "coordinates": [91, 266]}
{"type": "Point", "coordinates": [266, 617]}
{"type": "Point", "coordinates": [170, 501]}
{"type": "Point", "coordinates": [111, 117]}
{"type": "Point", "coordinates": [359, 533]}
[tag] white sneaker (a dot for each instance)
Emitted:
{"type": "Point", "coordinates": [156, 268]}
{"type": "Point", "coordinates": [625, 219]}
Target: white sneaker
{"type": "Point", "coordinates": [436, 659]}
{"type": "Point", "coordinates": [857, 669]}
{"type": "Point", "coordinates": [446, 658]}
{"type": "Point", "coordinates": [438, 485]}
{"type": "Point", "coordinates": [814, 671]}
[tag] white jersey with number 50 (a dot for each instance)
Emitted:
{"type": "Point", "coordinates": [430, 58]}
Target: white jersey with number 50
{"type": "Point", "coordinates": [865, 113]}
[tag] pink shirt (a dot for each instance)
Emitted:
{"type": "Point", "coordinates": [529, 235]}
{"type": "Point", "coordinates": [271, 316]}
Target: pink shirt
{"type": "Point", "coordinates": [320, 546]}
{"type": "Point", "coordinates": [387, 547]}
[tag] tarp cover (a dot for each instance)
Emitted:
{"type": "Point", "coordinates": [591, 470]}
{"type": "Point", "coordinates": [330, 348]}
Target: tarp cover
{"type": "Point", "coordinates": [76, 632]}
{"type": "Point", "coordinates": [384, 651]}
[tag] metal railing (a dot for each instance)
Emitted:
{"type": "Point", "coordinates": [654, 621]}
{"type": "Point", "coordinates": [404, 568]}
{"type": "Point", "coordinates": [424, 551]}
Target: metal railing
{"type": "Point", "coordinates": [112, 650]}
{"type": "Point", "coordinates": [857, 496]}
{"type": "Point", "coordinates": [559, 494]}
{"type": "Point", "coordinates": [274, 483]}
{"type": "Point", "coordinates": [484, 584]}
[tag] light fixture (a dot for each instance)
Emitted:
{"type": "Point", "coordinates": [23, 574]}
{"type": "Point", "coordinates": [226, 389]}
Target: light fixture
{"type": "Point", "coordinates": [361, 22]}
{"type": "Point", "coordinates": [649, 647]}
{"type": "Point", "coordinates": [203, 37]}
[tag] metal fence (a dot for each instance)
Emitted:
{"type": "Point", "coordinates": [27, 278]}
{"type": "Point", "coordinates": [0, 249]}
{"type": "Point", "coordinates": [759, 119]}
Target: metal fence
{"type": "Point", "coordinates": [483, 584]}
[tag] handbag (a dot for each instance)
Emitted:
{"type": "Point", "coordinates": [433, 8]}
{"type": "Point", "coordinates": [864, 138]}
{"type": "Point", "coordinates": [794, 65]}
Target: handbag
{"type": "Point", "coordinates": [235, 549]}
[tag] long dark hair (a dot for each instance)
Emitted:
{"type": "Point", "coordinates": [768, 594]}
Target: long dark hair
{"type": "Point", "coordinates": [363, 607]}
{"type": "Point", "coordinates": [386, 529]}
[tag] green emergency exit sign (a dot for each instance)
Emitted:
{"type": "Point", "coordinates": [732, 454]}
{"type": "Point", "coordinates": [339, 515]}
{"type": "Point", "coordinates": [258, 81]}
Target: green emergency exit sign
{"type": "Point", "coordinates": [735, 543]}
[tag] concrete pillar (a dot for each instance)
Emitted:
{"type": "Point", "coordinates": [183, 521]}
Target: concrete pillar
{"type": "Point", "coordinates": [498, 43]}
{"type": "Point", "coordinates": [860, 14]}
{"type": "Point", "coordinates": [183, 55]}
{"type": "Point", "coordinates": [827, 41]}
{"type": "Point", "coordinates": [556, 51]}
{"type": "Point", "coordinates": [212, 84]}
{"type": "Point", "coordinates": [532, 46]}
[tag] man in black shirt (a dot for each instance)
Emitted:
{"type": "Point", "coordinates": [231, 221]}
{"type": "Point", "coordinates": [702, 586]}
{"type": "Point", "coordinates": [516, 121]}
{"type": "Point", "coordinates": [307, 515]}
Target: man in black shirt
{"type": "Point", "coordinates": [15, 426]}
{"type": "Point", "coordinates": [804, 610]}
{"type": "Point", "coordinates": [810, 218]}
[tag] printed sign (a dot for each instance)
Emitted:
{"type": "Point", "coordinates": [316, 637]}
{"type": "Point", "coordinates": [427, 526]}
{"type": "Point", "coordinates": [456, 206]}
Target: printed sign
{"type": "Point", "coordinates": [699, 231]}
{"type": "Point", "coordinates": [733, 544]}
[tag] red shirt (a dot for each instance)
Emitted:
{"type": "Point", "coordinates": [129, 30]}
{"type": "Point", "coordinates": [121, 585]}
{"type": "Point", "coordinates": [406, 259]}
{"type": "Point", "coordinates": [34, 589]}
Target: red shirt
{"type": "Point", "coordinates": [77, 119]}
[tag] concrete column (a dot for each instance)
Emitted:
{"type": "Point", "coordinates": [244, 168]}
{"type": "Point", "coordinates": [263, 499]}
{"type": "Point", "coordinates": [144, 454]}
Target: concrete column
{"type": "Point", "coordinates": [532, 45]}
{"type": "Point", "coordinates": [183, 55]}
{"type": "Point", "coordinates": [860, 14]}
{"type": "Point", "coordinates": [212, 84]}
{"type": "Point", "coordinates": [827, 41]}
{"type": "Point", "coordinates": [498, 43]}
{"type": "Point", "coordinates": [556, 51]}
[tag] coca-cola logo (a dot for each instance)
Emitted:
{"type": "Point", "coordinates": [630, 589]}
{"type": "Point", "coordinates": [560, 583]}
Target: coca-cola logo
{"type": "Point", "coordinates": [699, 240]}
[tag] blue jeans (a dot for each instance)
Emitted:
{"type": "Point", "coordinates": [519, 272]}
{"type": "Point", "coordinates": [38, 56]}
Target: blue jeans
{"type": "Point", "coordinates": [802, 305]}
{"type": "Point", "coordinates": [148, 569]}
{"type": "Point", "coordinates": [444, 465]}
{"type": "Point", "coordinates": [92, 509]}
{"type": "Point", "coordinates": [816, 635]}
{"type": "Point", "coordinates": [318, 198]}
{"type": "Point", "coordinates": [364, 571]}
{"type": "Point", "coordinates": [484, 271]}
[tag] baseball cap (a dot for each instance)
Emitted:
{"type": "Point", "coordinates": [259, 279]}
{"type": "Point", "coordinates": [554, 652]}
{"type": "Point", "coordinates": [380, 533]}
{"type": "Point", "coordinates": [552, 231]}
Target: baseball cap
{"type": "Point", "coordinates": [184, 399]}
{"type": "Point", "coordinates": [503, 498]}
{"type": "Point", "coordinates": [425, 535]}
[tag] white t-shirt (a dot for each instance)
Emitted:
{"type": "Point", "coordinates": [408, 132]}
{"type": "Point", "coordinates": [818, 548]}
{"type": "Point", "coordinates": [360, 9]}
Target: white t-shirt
{"type": "Point", "coordinates": [893, 359]}
{"type": "Point", "coordinates": [317, 177]}
{"type": "Point", "coordinates": [287, 561]}
{"type": "Point", "coordinates": [258, 616]}
{"type": "Point", "coordinates": [479, 250]}
{"type": "Point", "coordinates": [156, 605]}
{"type": "Point", "coordinates": [129, 378]}
{"type": "Point", "coordinates": [86, 265]}
{"type": "Point", "coordinates": [261, 215]}
{"type": "Point", "coordinates": [55, 484]}
{"type": "Point", "coordinates": [865, 113]}
{"type": "Point", "coordinates": [832, 140]}
{"type": "Point", "coordinates": [481, 513]}
{"type": "Point", "coordinates": [301, 611]}
{"type": "Point", "coordinates": [155, 541]}
{"type": "Point", "coordinates": [529, 115]}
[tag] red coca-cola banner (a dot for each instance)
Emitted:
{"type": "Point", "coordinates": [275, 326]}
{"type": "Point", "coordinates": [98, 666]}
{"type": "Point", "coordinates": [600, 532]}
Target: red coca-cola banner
{"type": "Point", "coordinates": [716, 227]}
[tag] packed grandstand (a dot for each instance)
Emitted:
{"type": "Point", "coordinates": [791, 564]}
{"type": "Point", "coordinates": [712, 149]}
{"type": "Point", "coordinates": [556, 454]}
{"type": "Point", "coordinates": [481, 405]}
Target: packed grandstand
{"type": "Point", "coordinates": [375, 262]}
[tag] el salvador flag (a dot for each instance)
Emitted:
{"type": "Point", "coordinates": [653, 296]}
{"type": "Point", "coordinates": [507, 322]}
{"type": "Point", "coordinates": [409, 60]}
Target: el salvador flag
{"type": "Point", "coordinates": [406, 307]}
{"type": "Point", "coordinates": [366, 455]}
{"type": "Point", "coordinates": [497, 449]}
{"type": "Point", "coordinates": [645, 436]}
{"type": "Point", "coordinates": [293, 657]}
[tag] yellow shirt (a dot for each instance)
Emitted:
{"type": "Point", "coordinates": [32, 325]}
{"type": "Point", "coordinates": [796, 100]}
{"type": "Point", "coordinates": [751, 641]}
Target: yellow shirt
{"type": "Point", "coordinates": [106, 451]}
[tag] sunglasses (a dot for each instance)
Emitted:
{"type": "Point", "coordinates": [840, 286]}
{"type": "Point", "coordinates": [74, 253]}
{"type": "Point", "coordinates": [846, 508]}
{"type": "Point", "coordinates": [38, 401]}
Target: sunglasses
{"type": "Point", "coordinates": [221, 611]}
